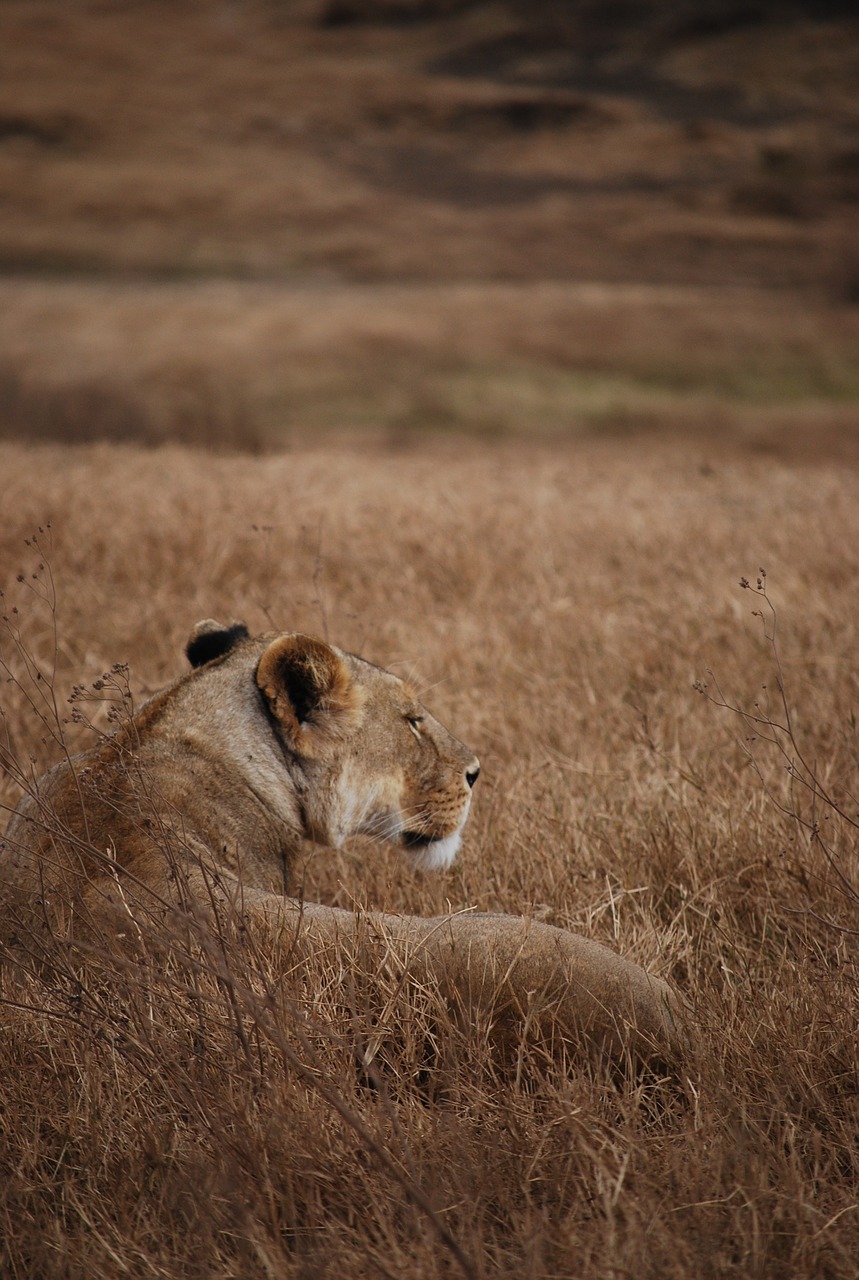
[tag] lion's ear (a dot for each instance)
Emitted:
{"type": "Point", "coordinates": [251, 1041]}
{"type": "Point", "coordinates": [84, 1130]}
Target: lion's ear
{"type": "Point", "coordinates": [309, 692]}
{"type": "Point", "coordinates": [210, 640]}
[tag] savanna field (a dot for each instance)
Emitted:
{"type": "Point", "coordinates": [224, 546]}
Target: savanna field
{"type": "Point", "coordinates": [556, 604]}
{"type": "Point", "coordinates": [504, 365]}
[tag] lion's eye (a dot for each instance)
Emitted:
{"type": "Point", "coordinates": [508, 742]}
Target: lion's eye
{"type": "Point", "coordinates": [414, 722]}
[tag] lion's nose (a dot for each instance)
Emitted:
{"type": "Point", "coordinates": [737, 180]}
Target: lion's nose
{"type": "Point", "coordinates": [472, 774]}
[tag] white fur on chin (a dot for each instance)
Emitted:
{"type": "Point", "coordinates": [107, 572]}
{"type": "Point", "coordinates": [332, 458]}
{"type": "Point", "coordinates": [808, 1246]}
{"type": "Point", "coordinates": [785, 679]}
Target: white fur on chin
{"type": "Point", "coordinates": [438, 855]}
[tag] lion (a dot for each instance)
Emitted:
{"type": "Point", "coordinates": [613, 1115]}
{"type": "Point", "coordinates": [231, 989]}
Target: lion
{"type": "Point", "coordinates": [201, 800]}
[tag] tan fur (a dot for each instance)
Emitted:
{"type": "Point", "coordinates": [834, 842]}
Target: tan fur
{"type": "Point", "coordinates": [205, 795]}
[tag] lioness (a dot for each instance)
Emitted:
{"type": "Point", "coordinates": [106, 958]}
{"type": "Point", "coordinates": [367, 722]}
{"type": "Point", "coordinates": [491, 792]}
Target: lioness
{"type": "Point", "coordinates": [200, 801]}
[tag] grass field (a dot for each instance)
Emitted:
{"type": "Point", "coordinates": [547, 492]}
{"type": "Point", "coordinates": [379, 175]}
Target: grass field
{"type": "Point", "coordinates": [228, 364]}
{"type": "Point", "coordinates": [557, 602]}
{"type": "Point", "coordinates": [496, 345]}
{"type": "Point", "coordinates": [481, 223]}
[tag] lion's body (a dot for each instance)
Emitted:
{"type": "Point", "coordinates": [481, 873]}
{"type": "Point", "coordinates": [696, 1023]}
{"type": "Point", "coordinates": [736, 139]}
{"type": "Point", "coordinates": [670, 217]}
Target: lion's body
{"type": "Point", "coordinates": [204, 796]}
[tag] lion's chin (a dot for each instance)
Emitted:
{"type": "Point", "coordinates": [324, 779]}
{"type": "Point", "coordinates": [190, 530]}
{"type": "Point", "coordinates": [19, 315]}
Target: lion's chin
{"type": "Point", "coordinates": [433, 855]}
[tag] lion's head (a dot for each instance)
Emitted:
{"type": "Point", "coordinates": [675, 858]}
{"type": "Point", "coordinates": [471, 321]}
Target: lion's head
{"type": "Point", "coordinates": [362, 752]}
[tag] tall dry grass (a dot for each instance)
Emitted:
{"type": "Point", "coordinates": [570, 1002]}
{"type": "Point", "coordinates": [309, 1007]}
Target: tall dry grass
{"type": "Point", "coordinates": [203, 1116]}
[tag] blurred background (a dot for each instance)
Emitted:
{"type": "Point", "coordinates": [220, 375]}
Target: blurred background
{"type": "Point", "coordinates": [237, 223]}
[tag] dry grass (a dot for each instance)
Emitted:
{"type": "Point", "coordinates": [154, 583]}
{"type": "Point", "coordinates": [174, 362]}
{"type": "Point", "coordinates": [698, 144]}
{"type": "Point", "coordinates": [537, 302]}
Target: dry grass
{"type": "Point", "coordinates": [276, 226]}
{"type": "Point", "coordinates": [262, 143]}
{"type": "Point", "coordinates": [557, 601]}
{"type": "Point", "coordinates": [283, 225]}
{"type": "Point", "coordinates": [248, 366]}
